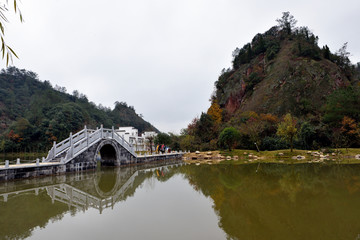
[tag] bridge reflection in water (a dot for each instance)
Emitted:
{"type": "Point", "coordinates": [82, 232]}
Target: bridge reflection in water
{"type": "Point", "coordinates": [99, 189]}
{"type": "Point", "coordinates": [74, 197]}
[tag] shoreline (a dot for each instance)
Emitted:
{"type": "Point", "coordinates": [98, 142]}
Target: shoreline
{"type": "Point", "coordinates": [240, 156]}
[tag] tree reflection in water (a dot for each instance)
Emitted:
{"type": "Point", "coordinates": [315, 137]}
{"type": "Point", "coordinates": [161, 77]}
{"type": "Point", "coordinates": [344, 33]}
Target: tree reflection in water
{"type": "Point", "coordinates": [308, 201]}
{"type": "Point", "coordinates": [303, 201]}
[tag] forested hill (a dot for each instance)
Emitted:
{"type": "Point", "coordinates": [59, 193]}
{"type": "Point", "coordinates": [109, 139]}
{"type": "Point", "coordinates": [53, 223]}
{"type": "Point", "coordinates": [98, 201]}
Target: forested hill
{"type": "Point", "coordinates": [283, 71]}
{"type": "Point", "coordinates": [34, 113]}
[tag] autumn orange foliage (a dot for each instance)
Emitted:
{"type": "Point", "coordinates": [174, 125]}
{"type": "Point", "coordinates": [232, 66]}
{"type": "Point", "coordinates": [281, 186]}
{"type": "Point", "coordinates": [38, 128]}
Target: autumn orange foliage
{"type": "Point", "coordinates": [349, 126]}
{"type": "Point", "coordinates": [14, 136]}
{"type": "Point", "coordinates": [215, 112]}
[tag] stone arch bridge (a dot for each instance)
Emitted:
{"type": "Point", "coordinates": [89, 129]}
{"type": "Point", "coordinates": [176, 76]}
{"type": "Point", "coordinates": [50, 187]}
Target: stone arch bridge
{"type": "Point", "coordinates": [87, 147]}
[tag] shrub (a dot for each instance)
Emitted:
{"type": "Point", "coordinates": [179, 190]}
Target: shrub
{"type": "Point", "coordinates": [228, 137]}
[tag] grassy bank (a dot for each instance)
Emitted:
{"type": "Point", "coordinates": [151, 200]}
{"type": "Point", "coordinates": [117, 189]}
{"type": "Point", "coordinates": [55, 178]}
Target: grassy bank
{"type": "Point", "coordinates": [286, 153]}
{"type": "Point", "coordinates": [240, 156]}
{"type": "Point", "coordinates": [286, 156]}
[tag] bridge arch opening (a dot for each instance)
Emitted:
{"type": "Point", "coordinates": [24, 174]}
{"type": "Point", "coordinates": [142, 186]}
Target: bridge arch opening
{"type": "Point", "coordinates": [107, 180]}
{"type": "Point", "coordinates": [108, 155]}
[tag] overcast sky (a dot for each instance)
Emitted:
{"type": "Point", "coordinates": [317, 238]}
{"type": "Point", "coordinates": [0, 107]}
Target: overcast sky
{"type": "Point", "coordinates": [160, 56]}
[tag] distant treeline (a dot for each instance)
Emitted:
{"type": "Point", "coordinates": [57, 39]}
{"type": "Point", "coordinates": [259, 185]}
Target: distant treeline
{"type": "Point", "coordinates": [33, 113]}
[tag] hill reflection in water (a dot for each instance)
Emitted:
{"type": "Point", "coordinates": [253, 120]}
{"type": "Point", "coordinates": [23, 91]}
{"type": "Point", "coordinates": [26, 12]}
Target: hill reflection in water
{"type": "Point", "coordinates": [306, 201]}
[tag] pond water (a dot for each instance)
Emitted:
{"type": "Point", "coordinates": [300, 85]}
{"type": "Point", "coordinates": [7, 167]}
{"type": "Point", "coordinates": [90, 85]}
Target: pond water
{"type": "Point", "coordinates": [178, 201]}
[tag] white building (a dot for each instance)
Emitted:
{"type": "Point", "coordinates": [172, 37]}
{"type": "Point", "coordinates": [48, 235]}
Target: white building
{"type": "Point", "coordinates": [131, 135]}
{"type": "Point", "coordinates": [149, 134]}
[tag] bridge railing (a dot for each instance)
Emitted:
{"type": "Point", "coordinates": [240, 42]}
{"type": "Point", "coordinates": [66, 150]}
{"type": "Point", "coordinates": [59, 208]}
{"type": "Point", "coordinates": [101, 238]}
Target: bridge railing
{"type": "Point", "coordinates": [121, 140]}
{"type": "Point", "coordinates": [107, 133]}
{"type": "Point", "coordinates": [63, 145]}
{"type": "Point", "coordinates": [90, 138]}
{"type": "Point", "coordinates": [67, 194]}
{"type": "Point", "coordinates": [111, 133]}
{"type": "Point", "coordinates": [94, 136]}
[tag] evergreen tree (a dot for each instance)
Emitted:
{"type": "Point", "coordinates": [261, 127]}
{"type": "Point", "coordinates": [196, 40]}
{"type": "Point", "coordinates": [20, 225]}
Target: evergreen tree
{"type": "Point", "coordinates": [326, 52]}
{"type": "Point", "coordinates": [287, 22]}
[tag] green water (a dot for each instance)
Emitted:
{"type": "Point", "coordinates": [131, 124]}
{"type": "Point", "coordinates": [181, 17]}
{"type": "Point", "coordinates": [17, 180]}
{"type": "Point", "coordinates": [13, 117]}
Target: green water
{"type": "Point", "coordinates": [309, 201]}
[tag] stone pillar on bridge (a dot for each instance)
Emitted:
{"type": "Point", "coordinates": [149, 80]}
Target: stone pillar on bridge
{"type": "Point", "coordinates": [71, 145]}
{"type": "Point", "coordinates": [54, 149]}
{"type": "Point", "coordinates": [86, 136]}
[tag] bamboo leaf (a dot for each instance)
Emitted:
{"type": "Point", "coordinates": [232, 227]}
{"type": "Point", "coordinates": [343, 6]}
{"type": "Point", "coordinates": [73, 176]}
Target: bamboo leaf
{"type": "Point", "coordinates": [2, 47]}
{"type": "Point", "coordinates": [2, 15]}
{"type": "Point", "coordinates": [13, 52]}
{"type": "Point", "coordinates": [15, 5]}
{"type": "Point", "coordinates": [7, 59]}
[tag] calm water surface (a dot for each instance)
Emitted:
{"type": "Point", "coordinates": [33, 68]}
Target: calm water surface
{"type": "Point", "coordinates": [305, 201]}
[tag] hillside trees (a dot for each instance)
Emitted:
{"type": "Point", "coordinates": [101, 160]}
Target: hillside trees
{"type": "Point", "coordinates": [206, 128]}
{"type": "Point", "coordinates": [307, 135]}
{"type": "Point", "coordinates": [215, 112]}
{"type": "Point", "coordinates": [326, 52]}
{"type": "Point", "coordinates": [229, 137]}
{"type": "Point", "coordinates": [287, 129]}
{"type": "Point", "coordinates": [252, 130]}
{"type": "Point", "coordinates": [188, 142]}
{"type": "Point", "coordinates": [287, 22]}
{"type": "Point", "coordinates": [33, 114]}
{"type": "Point", "coordinates": [343, 56]}
{"type": "Point", "coordinates": [350, 131]}
{"type": "Point", "coordinates": [342, 102]}
{"type": "Point", "coordinates": [162, 138]}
